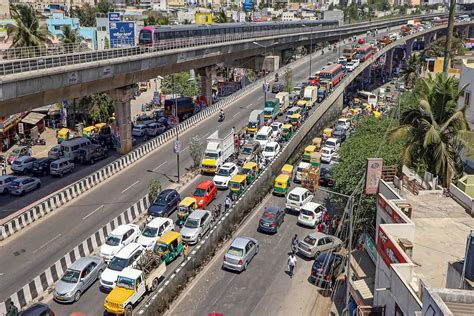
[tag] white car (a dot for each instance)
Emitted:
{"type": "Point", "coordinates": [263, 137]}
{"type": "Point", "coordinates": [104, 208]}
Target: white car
{"type": "Point", "coordinates": [298, 197]}
{"type": "Point", "coordinates": [126, 257]}
{"type": "Point", "coordinates": [118, 239]}
{"type": "Point", "coordinates": [139, 130]}
{"type": "Point", "coordinates": [271, 150]}
{"type": "Point", "coordinates": [352, 65]}
{"type": "Point", "coordinates": [302, 166]}
{"type": "Point", "coordinates": [335, 159]}
{"type": "Point", "coordinates": [153, 230]}
{"type": "Point", "coordinates": [224, 174]}
{"type": "Point", "coordinates": [5, 182]}
{"type": "Point", "coordinates": [333, 143]}
{"type": "Point", "coordinates": [327, 153]}
{"type": "Point", "coordinates": [276, 129]}
{"type": "Point", "coordinates": [311, 214]}
{"type": "Point", "coordinates": [23, 164]}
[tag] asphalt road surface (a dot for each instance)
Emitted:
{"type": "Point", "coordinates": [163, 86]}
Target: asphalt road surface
{"type": "Point", "coordinates": [34, 249]}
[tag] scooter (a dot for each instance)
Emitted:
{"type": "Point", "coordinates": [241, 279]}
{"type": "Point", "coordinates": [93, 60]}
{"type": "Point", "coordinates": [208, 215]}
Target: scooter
{"type": "Point", "coordinates": [221, 117]}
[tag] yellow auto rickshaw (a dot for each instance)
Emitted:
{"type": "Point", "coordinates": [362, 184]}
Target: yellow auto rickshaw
{"type": "Point", "coordinates": [287, 170]}
{"type": "Point", "coordinates": [356, 101]}
{"type": "Point", "coordinates": [237, 186]}
{"type": "Point", "coordinates": [317, 143]}
{"type": "Point", "coordinates": [295, 119]}
{"type": "Point", "coordinates": [381, 104]}
{"type": "Point", "coordinates": [307, 153]}
{"type": "Point", "coordinates": [315, 159]}
{"type": "Point", "coordinates": [251, 170]}
{"type": "Point", "coordinates": [286, 132]}
{"type": "Point", "coordinates": [186, 207]}
{"type": "Point", "coordinates": [354, 112]}
{"type": "Point", "coordinates": [327, 132]}
{"type": "Point", "coordinates": [89, 131]}
{"type": "Point", "coordinates": [99, 126]}
{"type": "Point", "coordinates": [281, 185]}
{"type": "Point", "coordinates": [63, 134]}
{"type": "Point", "coordinates": [367, 106]}
{"type": "Point", "coordinates": [169, 246]}
{"type": "Point", "coordinates": [377, 114]}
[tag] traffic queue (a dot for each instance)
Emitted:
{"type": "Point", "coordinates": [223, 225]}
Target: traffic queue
{"type": "Point", "coordinates": [132, 260]}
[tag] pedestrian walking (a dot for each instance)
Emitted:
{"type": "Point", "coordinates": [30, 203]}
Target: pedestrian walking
{"type": "Point", "coordinates": [291, 264]}
{"type": "Point", "coordinates": [12, 310]}
{"type": "Point", "coordinates": [320, 227]}
{"type": "Point", "coordinates": [185, 251]}
{"type": "Point", "coordinates": [294, 244]}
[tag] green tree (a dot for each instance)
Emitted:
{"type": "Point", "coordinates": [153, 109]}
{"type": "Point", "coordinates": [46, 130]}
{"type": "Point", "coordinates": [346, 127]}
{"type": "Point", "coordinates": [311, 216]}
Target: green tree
{"type": "Point", "coordinates": [436, 48]}
{"type": "Point", "coordinates": [351, 13]}
{"type": "Point", "coordinates": [85, 14]}
{"type": "Point", "coordinates": [26, 31]}
{"type": "Point", "coordinates": [104, 6]}
{"type": "Point", "coordinates": [150, 21]}
{"type": "Point", "coordinates": [449, 38]}
{"type": "Point", "coordinates": [98, 107]}
{"type": "Point", "coordinates": [183, 84]}
{"type": "Point", "coordinates": [154, 188]}
{"type": "Point", "coordinates": [368, 141]}
{"type": "Point", "coordinates": [412, 72]}
{"type": "Point", "coordinates": [288, 80]}
{"type": "Point", "coordinates": [70, 36]}
{"type": "Point", "coordinates": [196, 149]}
{"type": "Point", "coordinates": [432, 131]}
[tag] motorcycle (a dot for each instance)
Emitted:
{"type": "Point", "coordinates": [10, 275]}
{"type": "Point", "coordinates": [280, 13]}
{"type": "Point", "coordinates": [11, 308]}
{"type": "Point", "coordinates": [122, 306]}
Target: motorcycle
{"type": "Point", "coordinates": [221, 117]}
{"type": "Point", "coordinates": [276, 77]}
{"type": "Point", "coordinates": [40, 141]}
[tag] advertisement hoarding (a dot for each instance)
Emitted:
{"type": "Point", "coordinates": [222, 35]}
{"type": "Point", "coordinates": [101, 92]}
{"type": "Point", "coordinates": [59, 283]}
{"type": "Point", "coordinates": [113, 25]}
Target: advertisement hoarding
{"type": "Point", "coordinates": [373, 175]}
{"type": "Point", "coordinates": [122, 34]}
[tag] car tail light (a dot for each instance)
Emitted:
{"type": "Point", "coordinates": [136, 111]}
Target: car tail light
{"type": "Point", "coordinates": [241, 261]}
{"type": "Point", "coordinates": [274, 224]}
{"type": "Point", "coordinates": [328, 277]}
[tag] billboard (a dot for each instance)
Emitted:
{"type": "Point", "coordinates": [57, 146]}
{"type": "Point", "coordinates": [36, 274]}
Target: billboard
{"type": "Point", "coordinates": [248, 5]}
{"type": "Point", "coordinates": [373, 175]}
{"type": "Point", "coordinates": [388, 250]}
{"type": "Point", "coordinates": [122, 34]}
{"type": "Point", "coordinates": [114, 17]}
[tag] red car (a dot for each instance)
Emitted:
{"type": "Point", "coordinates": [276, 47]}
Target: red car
{"type": "Point", "coordinates": [205, 192]}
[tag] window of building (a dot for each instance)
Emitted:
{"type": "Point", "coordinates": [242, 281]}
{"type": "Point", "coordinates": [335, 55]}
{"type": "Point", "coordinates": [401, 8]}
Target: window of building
{"type": "Point", "coordinates": [57, 27]}
{"type": "Point", "coordinates": [467, 97]}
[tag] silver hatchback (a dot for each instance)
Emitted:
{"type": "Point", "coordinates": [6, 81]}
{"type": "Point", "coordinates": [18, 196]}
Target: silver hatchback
{"type": "Point", "coordinates": [240, 253]}
{"type": "Point", "coordinates": [78, 278]}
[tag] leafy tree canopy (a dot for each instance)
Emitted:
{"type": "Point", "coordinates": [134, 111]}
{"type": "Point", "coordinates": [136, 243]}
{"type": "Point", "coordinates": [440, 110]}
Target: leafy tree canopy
{"type": "Point", "coordinates": [436, 48]}
{"type": "Point", "coordinates": [183, 84]}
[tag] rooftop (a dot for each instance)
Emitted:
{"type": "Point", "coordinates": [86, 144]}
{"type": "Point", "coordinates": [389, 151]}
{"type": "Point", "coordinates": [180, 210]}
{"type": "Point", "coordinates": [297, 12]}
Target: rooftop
{"type": "Point", "coordinates": [442, 227]}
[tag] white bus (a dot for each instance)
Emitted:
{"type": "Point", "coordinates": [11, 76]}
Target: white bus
{"type": "Point", "coordinates": [464, 18]}
{"type": "Point", "coordinates": [367, 97]}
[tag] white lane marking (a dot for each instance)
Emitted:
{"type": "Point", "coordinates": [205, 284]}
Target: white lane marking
{"type": "Point", "coordinates": [156, 168]}
{"type": "Point", "coordinates": [236, 114]}
{"type": "Point", "coordinates": [47, 243]}
{"type": "Point", "coordinates": [251, 104]}
{"type": "Point", "coordinates": [91, 213]}
{"type": "Point", "coordinates": [131, 185]}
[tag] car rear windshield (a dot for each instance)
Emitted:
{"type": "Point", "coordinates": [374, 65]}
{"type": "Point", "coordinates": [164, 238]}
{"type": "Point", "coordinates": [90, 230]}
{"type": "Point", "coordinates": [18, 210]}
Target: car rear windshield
{"type": "Point", "coordinates": [310, 240]}
{"type": "Point", "coordinates": [191, 223]}
{"type": "Point", "coordinates": [261, 137]}
{"type": "Point", "coordinates": [247, 150]}
{"type": "Point", "coordinates": [223, 172]}
{"type": "Point", "coordinates": [235, 251]}
{"type": "Point", "coordinates": [150, 231]}
{"type": "Point", "coordinates": [307, 212]}
{"type": "Point", "coordinates": [300, 169]}
{"type": "Point", "coordinates": [113, 240]}
{"type": "Point", "coordinates": [16, 162]}
{"type": "Point", "coordinates": [71, 276]}
{"type": "Point", "coordinates": [199, 192]}
{"type": "Point", "coordinates": [294, 197]}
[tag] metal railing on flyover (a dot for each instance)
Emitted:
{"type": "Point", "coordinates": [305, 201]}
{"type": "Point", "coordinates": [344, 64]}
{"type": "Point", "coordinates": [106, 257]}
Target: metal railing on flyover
{"type": "Point", "coordinates": [46, 62]}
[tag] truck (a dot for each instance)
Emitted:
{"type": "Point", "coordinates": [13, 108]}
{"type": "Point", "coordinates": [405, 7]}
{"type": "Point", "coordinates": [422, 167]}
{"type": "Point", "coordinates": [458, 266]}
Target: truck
{"type": "Point", "coordinates": [284, 98]}
{"type": "Point", "coordinates": [271, 109]}
{"type": "Point", "coordinates": [185, 105]}
{"type": "Point", "coordinates": [309, 98]}
{"type": "Point", "coordinates": [218, 150]}
{"type": "Point", "coordinates": [256, 120]}
{"type": "Point", "coordinates": [134, 282]}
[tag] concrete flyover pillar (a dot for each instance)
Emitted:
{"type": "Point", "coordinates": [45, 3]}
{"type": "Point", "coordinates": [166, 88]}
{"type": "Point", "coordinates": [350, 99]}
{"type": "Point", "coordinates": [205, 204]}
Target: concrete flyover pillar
{"type": "Point", "coordinates": [123, 121]}
{"type": "Point", "coordinates": [206, 74]}
{"type": "Point", "coordinates": [389, 62]}
{"type": "Point", "coordinates": [409, 48]}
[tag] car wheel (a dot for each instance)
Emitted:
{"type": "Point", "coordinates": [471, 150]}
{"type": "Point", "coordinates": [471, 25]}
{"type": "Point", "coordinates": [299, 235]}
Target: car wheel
{"type": "Point", "coordinates": [128, 310]}
{"type": "Point", "coordinates": [38, 185]}
{"type": "Point", "coordinates": [257, 250]}
{"type": "Point", "coordinates": [77, 296]}
{"type": "Point", "coordinates": [246, 265]}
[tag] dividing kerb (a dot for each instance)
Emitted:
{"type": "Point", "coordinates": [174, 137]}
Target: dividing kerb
{"type": "Point", "coordinates": [43, 282]}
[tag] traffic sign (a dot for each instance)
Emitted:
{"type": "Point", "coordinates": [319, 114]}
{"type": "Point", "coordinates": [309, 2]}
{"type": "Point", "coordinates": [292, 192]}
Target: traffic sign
{"type": "Point", "coordinates": [177, 147]}
{"type": "Point", "coordinates": [266, 87]}
{"type": "Point", "coordinates": [21, 128]}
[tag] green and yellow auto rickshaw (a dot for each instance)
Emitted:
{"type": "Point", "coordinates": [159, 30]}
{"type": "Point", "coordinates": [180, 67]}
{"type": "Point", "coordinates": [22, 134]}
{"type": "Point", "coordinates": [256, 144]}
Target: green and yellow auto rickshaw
{"type": "Point", "coordinates": [295, 119]}
{"type": "Point", "coordinates": [286, 132]}
{"type": "Point", "coordinates": [281, 184]}
{"type": "Point", "coordinates": [169, 246]}
{"type": "Point", "coordinates": [186, 207]}
{"type": "Point", "coordinates": [317, 143]}
{"type": "Point", "coordinates": [63, 134]}
{"type": "Point", "coordinates": [89, 131]}
{"type": "Point", "coordinates": [287, 170]}
{"type": "Point", "coordinates": [307, 152]}
{"type": "Point", "coordinates": [251, 170]}
{"type": "Point", "coordinates": [237, 185]}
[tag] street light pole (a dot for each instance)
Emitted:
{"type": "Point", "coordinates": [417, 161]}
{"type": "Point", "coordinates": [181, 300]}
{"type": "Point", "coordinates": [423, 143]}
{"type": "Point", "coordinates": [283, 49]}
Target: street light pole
{"type": "Point", "coordinates": [310, 51]}
{"type": "Point", "coordinates": [177, 146]}
{"type": "Point", "coordinates": [265, 85]}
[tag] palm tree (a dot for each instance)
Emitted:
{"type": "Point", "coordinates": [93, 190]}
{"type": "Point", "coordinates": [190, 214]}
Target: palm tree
{"type": "Point", "coordinates": [413, 70]}
{"type": "Point", "coordinates": [452, 8]}
{"type": "Point", "coordinates": [26, 31]}
{"type": "Point", "coordinates": [69, 38]}
{"type": "Point", "coordinates": [433, 130]}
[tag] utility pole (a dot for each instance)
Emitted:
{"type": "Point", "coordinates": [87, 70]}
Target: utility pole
{"type": "Point", "coordinates": [350, 210]}
{"type": "Point", "coordinates": [177, 143]}
{"type": "Point", "coordinates": [449, 37]}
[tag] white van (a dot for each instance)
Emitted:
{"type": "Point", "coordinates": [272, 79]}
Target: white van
{"type": "Point", "coordinates": [293, 110]}
{"type": "Point", "coordinates": [72, 148]}
{"type": "Point", "coordinates": [264, 135]}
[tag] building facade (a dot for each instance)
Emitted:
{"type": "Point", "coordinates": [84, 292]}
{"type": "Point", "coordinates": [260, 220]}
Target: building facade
{"type": "Point", "coordinates": [467, 79]}
{"type": "Point", "coordinates": [4, 9]}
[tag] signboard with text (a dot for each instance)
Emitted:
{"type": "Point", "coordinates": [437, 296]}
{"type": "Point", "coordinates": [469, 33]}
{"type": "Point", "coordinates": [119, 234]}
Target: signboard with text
{"type": "Point", "coordinates": [122, 34]}
{"type": "Point", "coordinates": [383, 203]}
{"type": "Point", "coordinates": [373, 175]}
{"type": "Point", "coordinates": [114, 16]}
{"type": "Point", "coordinates": [388, 250]}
